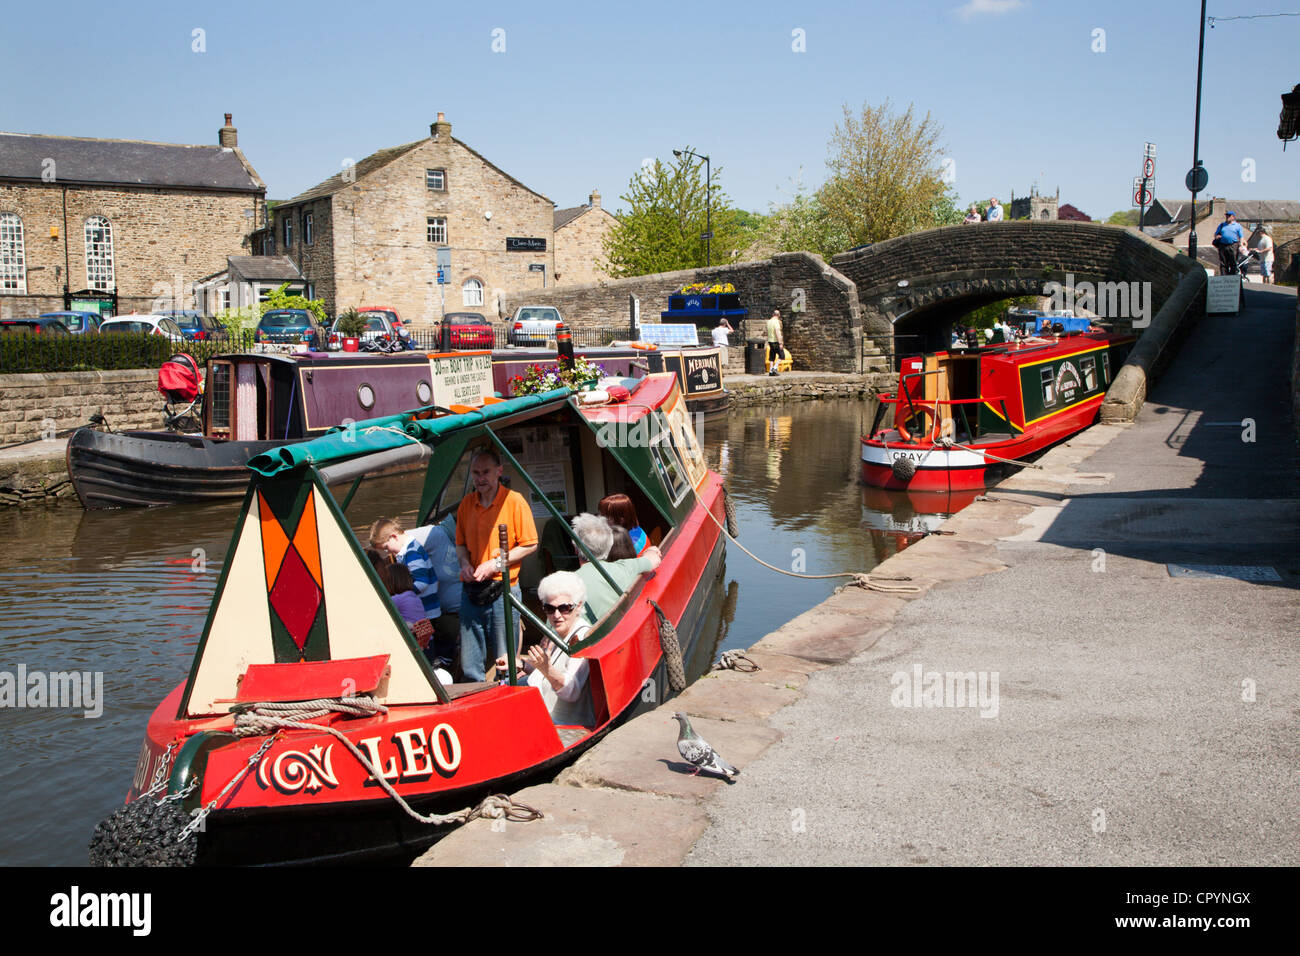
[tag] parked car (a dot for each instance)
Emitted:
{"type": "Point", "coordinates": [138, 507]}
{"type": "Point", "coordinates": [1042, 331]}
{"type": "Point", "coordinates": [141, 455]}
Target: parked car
{"type": "Point", "coordinates": [78, 323]}
{"type": "Point", "coordinates": [197, 327]}
{"type": "Point", "coordinates": [469, 330]}
{"type": "Point", "coordinates": [143, 324]}
{"type": "Point", "coordinates": [290, 327]}
{"type": "Point", "coordinates": [379, 329]}
{"type": "Point", "coordinates": [394, 320]}
{"type": "Point", "coordinates": [533, 325]}
{"type": "Point", "coordinates": [33, 326]}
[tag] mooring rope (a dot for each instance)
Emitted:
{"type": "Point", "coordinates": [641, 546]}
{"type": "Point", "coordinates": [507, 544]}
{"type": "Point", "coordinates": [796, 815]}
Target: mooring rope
{"type": "Point", "coordinates": [736, 661]}
{"type": "Point", "coordinates": [796, 574]}
{"type": "Point", "coordinates": [268, 717]}
{"type": "Point", "coordinates": [949, 443]}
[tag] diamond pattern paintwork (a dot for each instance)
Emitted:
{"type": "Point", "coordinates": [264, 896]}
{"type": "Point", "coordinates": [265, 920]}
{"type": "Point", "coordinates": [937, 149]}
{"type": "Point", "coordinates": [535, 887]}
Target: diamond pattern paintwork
{"type": "Point", "coordinates": [296, 597]}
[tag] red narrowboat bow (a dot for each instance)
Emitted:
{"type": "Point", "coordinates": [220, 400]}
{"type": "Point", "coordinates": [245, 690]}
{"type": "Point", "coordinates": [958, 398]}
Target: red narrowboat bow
{"type": "Point", "coordinates": [959, 414]}
{"type": "Point", "coordinates": [300, 615]}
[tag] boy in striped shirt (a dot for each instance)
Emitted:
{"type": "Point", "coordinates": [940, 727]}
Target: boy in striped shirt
{"type": "Point", "coordinates": [386, 534]}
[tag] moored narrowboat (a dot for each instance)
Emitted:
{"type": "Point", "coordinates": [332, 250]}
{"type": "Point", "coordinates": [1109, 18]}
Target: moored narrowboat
{"type": "Point", "coordinates": [299, 614]}
{"type": "Point", "coordinates": [252, 403]}
{"type": "Point", "coordinates": [960, 415]}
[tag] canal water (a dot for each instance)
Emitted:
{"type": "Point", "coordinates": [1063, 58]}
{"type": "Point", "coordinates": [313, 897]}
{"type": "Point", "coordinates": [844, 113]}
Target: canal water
{"type": "Point", "coordinates": [124, 594]}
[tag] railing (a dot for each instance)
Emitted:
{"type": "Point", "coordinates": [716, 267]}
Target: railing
{"type": "Point", "coordinates": [502, 337]}
{"type": "Point", "coordinates": [935, 406]}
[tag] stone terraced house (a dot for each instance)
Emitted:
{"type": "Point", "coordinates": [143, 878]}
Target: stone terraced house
{"type": "Point", "coordinates": [122, 221]}
{"type": "Point", "coordinates": [579, 242]}
{"type": "Point", "coordinates": [372, 233]}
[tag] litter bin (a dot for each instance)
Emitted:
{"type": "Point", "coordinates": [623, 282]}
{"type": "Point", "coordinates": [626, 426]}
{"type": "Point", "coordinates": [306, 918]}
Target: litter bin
{"type": "Point", "coordinates": [755, 356]}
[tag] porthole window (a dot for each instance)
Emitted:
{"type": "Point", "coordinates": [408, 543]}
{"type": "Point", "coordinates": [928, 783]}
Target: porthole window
{"type": "Point", "coordinates": [366, 396]}
{"type": "Point", "coordinates": [424, 393]}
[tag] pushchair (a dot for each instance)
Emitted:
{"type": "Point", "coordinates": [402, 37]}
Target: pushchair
{"type": "Point", "coordinates": [181, 383]}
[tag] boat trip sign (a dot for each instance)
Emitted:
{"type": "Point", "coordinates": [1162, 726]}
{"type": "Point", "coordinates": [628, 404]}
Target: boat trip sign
{"type": "Point", "coordinates": [461, 378]}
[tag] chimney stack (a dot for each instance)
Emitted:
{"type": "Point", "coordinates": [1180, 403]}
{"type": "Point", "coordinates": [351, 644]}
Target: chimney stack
{"type": "Point", "coordinates": [228, 135]}
{"type": "Point", "coordinates": [440, 129]}
{"type": "Point", "coordinates": [594, 199]}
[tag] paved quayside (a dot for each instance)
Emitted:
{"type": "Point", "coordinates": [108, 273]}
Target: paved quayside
{"type": "Point", "coordinates": [1139, 717]}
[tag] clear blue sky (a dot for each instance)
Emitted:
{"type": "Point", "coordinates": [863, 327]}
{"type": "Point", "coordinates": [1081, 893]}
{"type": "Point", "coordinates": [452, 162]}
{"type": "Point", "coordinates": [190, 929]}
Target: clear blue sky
{"type": "Point", "coordinates": [585, 91]}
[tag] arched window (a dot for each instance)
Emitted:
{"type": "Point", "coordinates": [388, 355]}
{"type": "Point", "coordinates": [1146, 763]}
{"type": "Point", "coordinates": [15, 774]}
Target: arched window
{"type": "Point", "coordinates": [13, 268]}
{"type": "Point", "coordinates": [1046, 215]}
{"type": "Point", "coordinates": [99, 254]}
{"type": "Point", "coordinates": [472, 291]}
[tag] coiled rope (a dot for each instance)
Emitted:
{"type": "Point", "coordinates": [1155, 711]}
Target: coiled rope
{"type": "Point", "coordinates": [871, 584]}
{"type": "Point", "coordinates": [736, 661]}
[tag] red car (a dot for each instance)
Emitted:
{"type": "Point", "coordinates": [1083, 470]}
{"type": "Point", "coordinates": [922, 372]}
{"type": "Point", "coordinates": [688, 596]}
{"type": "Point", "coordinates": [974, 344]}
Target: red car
{"type": "Point", "coordinates": [469, 330]}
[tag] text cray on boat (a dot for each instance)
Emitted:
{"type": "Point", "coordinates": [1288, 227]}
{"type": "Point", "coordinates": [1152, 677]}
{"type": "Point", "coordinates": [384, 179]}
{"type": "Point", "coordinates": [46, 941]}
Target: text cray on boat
{"type": "Point", "coordinates": [299, 614]}
{"type": "Point", "coordinates": [959, 413]}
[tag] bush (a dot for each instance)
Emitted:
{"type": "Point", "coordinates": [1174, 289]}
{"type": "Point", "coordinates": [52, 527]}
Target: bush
{"type": "Point", "coordinates": [85, 353]}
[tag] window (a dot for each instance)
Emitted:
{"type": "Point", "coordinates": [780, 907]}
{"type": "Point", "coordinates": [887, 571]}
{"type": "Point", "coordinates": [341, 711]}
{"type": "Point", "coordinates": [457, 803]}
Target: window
{"type": "Point", "coordinates": [99, 254]}
{"type": "Point", "coordinates": [437, 230]}
{"type": "Point", "coordinates": [223, 299]}
{"type": "Point", "coordinates": [436, 179]}
{"type": "Point", "coordinates": [306, 229]}
{"type": "Point", "coordinates": [472, 292]}
{"type": "Point", "coordinates": [1088, 365]}
{"type": "Point", "coordinates": [1105, 367]}
{"type": "Point", "coordinates": [1049, 386]}
{"type": "Point", "coordinates": [13, 270]}
{"type": "Point", "coordinates": [288, 233]}
{"type": "Point", "coordinates": [311, 290]}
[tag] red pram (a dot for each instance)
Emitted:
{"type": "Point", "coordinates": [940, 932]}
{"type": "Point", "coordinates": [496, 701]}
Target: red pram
{"type": "Point", "coordinates": [179, 379]}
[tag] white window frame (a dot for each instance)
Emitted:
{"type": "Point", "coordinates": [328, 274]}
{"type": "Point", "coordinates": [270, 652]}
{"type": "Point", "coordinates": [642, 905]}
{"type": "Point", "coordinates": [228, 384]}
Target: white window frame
{"type": "Point", "coordinates": [99, 254]}
{"type": "Point", "coordinates": [223, 299]}
{"type": "Point", "coordinates": [472, 292]}
{"type": "Point", "coordinates": [307, 237]}
{"type": "Point", "coordinates": [13, 255]}
{"type": "Point", "coordinates": [288, 233]}
{"type": "Point", "coordinates": [436, 230]}
{"type": "Point", "coordinates": [436, 180]}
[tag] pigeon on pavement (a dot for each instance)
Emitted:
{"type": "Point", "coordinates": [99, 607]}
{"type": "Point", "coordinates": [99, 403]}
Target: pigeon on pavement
{"type": "Point", "coordinates": [697, 752]}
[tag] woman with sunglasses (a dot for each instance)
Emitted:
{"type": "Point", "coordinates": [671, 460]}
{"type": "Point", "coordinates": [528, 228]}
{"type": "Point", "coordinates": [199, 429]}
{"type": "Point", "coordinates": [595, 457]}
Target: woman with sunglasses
{"type": "Point", "coordinates": [561, 679]}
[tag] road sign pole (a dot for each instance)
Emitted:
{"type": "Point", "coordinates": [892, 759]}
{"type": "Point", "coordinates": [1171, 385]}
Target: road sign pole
{"type": "Point", "coordinates": [1196, 138]}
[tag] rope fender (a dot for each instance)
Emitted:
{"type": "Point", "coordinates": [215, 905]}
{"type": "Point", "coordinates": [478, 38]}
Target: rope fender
{"type": "Point", "coordinates": [672, 649]}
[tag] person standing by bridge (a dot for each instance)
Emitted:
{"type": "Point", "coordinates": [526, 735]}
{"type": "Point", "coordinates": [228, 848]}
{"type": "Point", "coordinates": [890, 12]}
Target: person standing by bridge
{"type": "Point", "coordinates": [995, 210]}
{"type": "Point", "coordinates": [972, 216]}
{"type": "Point", "coordinates": [1227, 237]}
{"type": "Point", "coordinates": [774, 337]}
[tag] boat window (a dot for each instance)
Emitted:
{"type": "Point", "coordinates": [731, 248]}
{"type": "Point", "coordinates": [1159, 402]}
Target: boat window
{"type": "Point", "coordinates": [1049, 386]}
{"type": "Point", "coordinates": [1089, 366]}
{"type": "Point", "coordinates": [219, 389]}
{"type": "Point", "coordinates": [1105, 366]}
{"type": "Point", "coordinates": [669, 465]}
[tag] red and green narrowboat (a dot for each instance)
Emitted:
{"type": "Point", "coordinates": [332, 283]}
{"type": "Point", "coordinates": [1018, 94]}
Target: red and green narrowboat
{"type": "Point", "coordinates": [957, 415]}
{"type": "Point", "coordinates": [299, 614]}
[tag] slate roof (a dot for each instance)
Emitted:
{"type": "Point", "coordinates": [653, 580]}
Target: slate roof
{"type": "Point", "coordinates": [565, 216]}
{"type": "Point", "coordinates": [125, 162]}
{"type": "Point", "coordinates": [1252, 210]}
{"type": "Point", "coordinates": [273, 268]}
{"type": "Point", "coordinates": [381, 158]}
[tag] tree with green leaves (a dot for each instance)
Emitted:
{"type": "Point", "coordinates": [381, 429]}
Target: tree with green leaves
{"type": "Point", "coordinates": [280, 299]}
{"type": "Point", "coordinates": [662, 228]}
{"type": "Point", "coordinates": [886, 176]}
{"type": "Point", "coordinates": [1124, 217]}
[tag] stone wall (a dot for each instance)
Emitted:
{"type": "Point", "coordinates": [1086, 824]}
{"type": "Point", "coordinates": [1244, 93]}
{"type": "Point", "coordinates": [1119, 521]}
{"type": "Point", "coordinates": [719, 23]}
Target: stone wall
{"type": "Point", "coordinates": [44, 405]}
{"type": "Point", "coordinates": [158, 235]}
{"type": "Point", "coordinates": [819, 306]}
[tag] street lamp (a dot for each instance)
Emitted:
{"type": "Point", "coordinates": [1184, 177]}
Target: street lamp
{"type": "Point", "coordinates": [708, 203]}
{"type": "Point", "coordinates": [1194, 178]}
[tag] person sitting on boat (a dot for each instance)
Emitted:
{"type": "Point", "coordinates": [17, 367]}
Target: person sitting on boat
{"type": "Point", "coordinates": [489, 504]}
{"type": "Point", "coordinates": [397, 580]}
{"type": "Point", "coordinates": [618, 510]}
{"type": "Point", "coordinates": [622, 548]}
{"type": "Point", "coordinates": [561, 679]}
{"type": "Point", "coordinates": [595, 532]}
{"type": "Point", "coordinates": [387, 535]}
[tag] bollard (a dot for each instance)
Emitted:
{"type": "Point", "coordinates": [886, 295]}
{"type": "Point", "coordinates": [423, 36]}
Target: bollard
{"type": "Point", "coordinates": [564, 346]}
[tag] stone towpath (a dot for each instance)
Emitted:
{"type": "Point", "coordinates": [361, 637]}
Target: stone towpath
{"type": "Point", "coordinates": [1140, 715]}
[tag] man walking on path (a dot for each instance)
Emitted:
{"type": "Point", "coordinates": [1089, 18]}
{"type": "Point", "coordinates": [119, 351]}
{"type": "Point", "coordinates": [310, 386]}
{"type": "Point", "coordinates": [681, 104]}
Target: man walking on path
{"type": "Point", "coordinates": [1227, 237]}
{"type": "Point", "coordinates": [774, 336]}
{"type": "Point", "coordinates": [483, 626]}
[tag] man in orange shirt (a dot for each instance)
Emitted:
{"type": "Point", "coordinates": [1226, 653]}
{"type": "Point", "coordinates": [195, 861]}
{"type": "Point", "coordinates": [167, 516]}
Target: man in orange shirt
{"type": "Point", "coordinates": [478, 546]}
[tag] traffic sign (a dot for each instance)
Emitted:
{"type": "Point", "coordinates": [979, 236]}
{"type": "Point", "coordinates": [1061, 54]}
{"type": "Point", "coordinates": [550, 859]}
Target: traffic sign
{"type": "Point", "coordinates": [1149, 167]}
{"type": "Point", "coordinates": [1198, 177]}
{"type": "Point", "coordinates": [1149, 151]}
{"type": "Point", "coordinates": [442, 277]}
{"type": "Point", "coordinates": [1142, 196]}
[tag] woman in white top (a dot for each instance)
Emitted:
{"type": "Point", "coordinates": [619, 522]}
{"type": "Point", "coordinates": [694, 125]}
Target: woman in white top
{"type": "Point", "coordinates": [561, 679]}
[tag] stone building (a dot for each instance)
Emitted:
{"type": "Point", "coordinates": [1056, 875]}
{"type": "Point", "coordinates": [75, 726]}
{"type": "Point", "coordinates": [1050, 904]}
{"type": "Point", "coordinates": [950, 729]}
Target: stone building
{"type": "Point", "coordinates": [1170, 221]}
{"type": "Point", "coordinates": [1034, 206]}
{"type": "Point", "coordinates": [121, 221]}
{"type": "Point", "coordinates": [372, 233]}
{"type": "Point", "coordinates": [580, 242]}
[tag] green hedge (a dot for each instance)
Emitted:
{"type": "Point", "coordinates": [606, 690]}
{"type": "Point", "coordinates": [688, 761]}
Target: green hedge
{"type": "Point", "coordinates": [90, 353]}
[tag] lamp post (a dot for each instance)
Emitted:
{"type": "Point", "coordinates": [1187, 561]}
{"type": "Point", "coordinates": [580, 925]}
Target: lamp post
{"type": "Point", "coordinates": [1196, 137]}
{"type": "Point", "coordinates": [708, 203]}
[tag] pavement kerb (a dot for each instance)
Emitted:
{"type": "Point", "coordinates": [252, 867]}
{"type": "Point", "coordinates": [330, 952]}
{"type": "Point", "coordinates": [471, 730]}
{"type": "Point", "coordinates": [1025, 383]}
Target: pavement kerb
{"type": "Point", "coordinates": [731, 710]}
